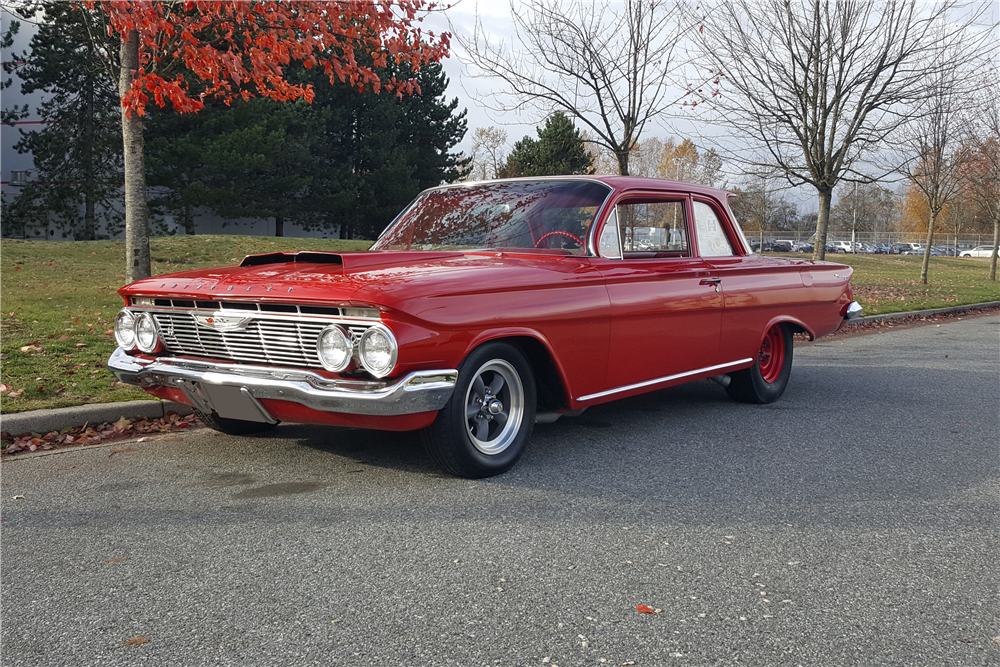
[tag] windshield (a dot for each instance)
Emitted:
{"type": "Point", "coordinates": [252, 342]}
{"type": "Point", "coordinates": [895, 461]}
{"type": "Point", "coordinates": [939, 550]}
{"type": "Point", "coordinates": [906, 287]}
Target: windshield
{"type": "Point", "coordinates": [548, 215]}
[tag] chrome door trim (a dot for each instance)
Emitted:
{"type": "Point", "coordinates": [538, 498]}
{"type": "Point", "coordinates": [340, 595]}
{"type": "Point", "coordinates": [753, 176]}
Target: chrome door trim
{"type": "Point", "coordinates": [668, 378]}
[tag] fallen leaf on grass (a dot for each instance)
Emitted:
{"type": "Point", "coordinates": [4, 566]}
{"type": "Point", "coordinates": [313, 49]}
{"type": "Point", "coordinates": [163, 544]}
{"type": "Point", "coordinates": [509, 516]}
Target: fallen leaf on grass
{"type": "Point", "coordinates": [643, 609]}
{"type": "Point", "coordinates": [135, 641]}
{"type": "Point", "coordinates": [116, 560]}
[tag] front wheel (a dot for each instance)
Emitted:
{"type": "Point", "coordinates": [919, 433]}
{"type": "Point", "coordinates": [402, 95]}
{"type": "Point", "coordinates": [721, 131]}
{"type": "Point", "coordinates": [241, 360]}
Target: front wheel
{"type": "Point", "coordinates": [484, 428]}
{"type": "Point", "coordinates": [765, 381]}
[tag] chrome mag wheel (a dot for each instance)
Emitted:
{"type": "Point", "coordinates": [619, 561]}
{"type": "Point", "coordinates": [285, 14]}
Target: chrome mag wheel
{"type": "Point", "coordinates": [494, 406]}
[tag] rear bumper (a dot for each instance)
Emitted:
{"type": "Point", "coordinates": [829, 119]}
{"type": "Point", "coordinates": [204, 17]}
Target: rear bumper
{"type": "Point", "coordinates": [422, 391]}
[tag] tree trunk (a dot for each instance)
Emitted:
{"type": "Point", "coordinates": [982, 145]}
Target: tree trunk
{"type": "Point", "coordinates": [137, 264]}
{"type": "Point", "coordinates": [927, 249]}
{"type": "Point", "coordinates": [89, 225]}
{"type": "Point", "coordinates": [622, 162]}
{"type": "Point", "coordinates": [279, 225]}
{"type": "Point", "coordinates": [822, 223]}
{"type": "Point", "coordinates": [996, 243]}
{"type": "Point", "coordinates": [188, 220]}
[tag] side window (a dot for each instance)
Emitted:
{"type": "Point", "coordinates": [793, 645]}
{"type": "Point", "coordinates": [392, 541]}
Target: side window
{"type": "Point", "coordinates": [653, 229]}
{"type": "Point", "coordinates": [608, 245]}
{"type": "Point", "coordinates": [712, 240]}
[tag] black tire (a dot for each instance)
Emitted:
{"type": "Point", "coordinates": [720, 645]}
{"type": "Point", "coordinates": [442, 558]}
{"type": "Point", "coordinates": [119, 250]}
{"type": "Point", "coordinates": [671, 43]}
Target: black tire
{"type": "Point", "coordinates": [232, 426]}
{"type": "Point", "coordinates": [765, 381]}
{"type": "Point", "coordinates": [487, 423]}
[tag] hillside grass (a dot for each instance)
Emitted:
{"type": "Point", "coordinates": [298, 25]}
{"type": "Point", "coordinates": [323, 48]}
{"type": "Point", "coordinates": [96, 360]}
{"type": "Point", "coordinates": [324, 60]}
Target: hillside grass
{"type": "Point", "coordinates": [62, 297]}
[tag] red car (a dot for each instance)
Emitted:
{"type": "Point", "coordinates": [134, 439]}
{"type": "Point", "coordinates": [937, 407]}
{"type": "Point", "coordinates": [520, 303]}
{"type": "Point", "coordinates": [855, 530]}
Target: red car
{"type": "Point", "coordinates": [483, 308]}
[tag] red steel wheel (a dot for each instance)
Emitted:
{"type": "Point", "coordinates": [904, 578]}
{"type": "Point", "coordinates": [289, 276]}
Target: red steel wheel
{"type": "Point", "coordinates": [765, 381]}
{"type": "Point", "coordinates": [771, 357]}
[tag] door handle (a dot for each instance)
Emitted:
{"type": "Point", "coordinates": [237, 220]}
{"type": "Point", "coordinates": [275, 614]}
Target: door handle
{"type": "Point", "coordinates": [712, 281]}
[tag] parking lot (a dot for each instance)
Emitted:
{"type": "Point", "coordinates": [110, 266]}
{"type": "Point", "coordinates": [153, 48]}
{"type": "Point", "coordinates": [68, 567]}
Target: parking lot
{"type": "Point", "coordinates": [854, 522]}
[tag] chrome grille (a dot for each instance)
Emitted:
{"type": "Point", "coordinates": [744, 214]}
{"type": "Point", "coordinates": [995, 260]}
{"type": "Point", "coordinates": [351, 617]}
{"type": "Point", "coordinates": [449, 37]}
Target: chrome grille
{"type": "Point", "coordinates": [284, 341]}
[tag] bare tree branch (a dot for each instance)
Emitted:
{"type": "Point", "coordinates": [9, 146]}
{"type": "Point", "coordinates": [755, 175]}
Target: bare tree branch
{"type": "Point", "coordinates": [611, 69]}
{"type": "Point", "coordinates": [814, 87]}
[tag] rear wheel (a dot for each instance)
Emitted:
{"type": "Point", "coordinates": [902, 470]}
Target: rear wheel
{"type": "Point", "coordinates": [484, 428]}
{"type": "Point", "coordinates": [232, 426]}
{"type": "Point", "coordinates": [765, 381]}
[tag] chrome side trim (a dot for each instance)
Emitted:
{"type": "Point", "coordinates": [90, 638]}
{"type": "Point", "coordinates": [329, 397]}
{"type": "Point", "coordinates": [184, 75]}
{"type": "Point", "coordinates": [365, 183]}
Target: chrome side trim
{"type": "Point", "coordinates": [649, 383]}
{"type": "Point", "coordinates": [422, 391]}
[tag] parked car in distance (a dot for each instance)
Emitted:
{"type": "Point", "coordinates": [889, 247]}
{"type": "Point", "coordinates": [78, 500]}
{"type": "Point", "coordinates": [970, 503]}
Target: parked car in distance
{"type": "Point", "coordinates": [483, 308]}
{"type": "Point", "coordinates": [978, 251]}
{"type": "Point", "coordinates": [769, 245]}
{"type": "Point", "coordinates": [948, 250]}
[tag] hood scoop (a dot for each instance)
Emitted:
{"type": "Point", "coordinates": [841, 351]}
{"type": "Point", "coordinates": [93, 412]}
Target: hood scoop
{"type": "Point", "coordinates": [348, 260]}
{"type": "Point", "coordinates": [286, 257]}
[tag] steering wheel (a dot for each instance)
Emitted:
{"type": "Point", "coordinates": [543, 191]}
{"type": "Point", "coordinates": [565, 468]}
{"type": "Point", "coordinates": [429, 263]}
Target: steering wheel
{"type": "Point", "coordinates": [576, 239]}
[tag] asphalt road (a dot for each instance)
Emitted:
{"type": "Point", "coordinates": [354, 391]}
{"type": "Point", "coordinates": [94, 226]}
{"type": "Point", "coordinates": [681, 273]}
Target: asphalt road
{"type": "Point", "coordinates": [855, 522]}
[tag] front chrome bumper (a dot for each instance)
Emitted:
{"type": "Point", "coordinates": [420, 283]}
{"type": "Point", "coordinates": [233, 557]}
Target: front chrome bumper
{"type": "Point", "coordinates": [423, 391]}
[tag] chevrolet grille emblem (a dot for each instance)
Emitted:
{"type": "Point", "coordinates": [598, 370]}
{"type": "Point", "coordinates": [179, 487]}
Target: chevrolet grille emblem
{"type": "Point", "coordinates": [223, 322]}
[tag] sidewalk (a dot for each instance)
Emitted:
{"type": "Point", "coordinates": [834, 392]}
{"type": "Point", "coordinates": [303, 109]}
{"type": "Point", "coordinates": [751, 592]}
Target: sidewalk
{"type": "Point", "coordinates": [44, 421]}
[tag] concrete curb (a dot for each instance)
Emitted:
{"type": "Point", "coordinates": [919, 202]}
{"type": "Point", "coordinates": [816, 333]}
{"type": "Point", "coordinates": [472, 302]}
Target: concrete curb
{"type": "Point", "coordinates": [44, 421]}
{"type": "Point", "coordinates": [924, 313]}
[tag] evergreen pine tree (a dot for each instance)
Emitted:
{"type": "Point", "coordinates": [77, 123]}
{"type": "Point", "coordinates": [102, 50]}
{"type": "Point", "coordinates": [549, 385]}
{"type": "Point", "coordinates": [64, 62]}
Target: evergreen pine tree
{"type": "Point", "coordinates": [77, 155]}
{"type": "Point", "coordinates": [559, 150]}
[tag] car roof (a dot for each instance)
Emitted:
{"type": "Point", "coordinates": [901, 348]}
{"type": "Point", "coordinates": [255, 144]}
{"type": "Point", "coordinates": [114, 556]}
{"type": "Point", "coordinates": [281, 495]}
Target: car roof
{"type": "Point", "coordinates": [618, 183]}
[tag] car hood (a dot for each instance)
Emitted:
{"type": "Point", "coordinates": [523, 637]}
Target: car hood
{"type": "Point", "coordinates": [384, 279]}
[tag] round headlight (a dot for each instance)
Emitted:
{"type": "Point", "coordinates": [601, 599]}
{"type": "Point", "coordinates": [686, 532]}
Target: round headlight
{"type": "Point", "coordinates": [125, 329]}
{"type": "Point", "coordinates": [334, 348]}
{"type": "Point", "coordinates": [145, 333]}
{"type": "Point", "coordinates": [378, 351]}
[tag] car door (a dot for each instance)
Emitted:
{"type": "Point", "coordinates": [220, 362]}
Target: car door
{"type": "Point", "coordinates": [666, 306]}
{"type": "Point", "coordinates": [756, 289]}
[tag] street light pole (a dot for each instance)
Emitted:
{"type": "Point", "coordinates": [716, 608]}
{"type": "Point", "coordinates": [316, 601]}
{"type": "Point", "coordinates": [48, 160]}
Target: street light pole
{"type": "Point", "coordinates": [854, 225]}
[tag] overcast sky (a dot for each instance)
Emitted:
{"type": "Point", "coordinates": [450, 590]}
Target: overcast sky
{"type": "Point", "coordinates": [459, 18]}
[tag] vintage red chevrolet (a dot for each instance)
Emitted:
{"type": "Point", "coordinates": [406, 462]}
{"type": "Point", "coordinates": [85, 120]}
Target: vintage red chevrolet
{"type": "Point", "coordinates": [483, 308]}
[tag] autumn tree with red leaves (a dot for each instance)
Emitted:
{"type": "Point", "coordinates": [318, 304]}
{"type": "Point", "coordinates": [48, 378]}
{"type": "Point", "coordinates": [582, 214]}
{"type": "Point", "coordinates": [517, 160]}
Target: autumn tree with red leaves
{"type": "Point", "coordinates": [183, 52]}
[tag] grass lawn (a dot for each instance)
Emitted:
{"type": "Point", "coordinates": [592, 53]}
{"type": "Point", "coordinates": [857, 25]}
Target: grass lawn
{"type": "Point", "coordinates": [58, 301]}
{"type": "Point", "coordinates": [63, 297]}
{"type": "Point", "coordinates": [891, 283]}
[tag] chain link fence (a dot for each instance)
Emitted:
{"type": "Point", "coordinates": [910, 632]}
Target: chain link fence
{"type": "Point", "coordinates": [962, 241]}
